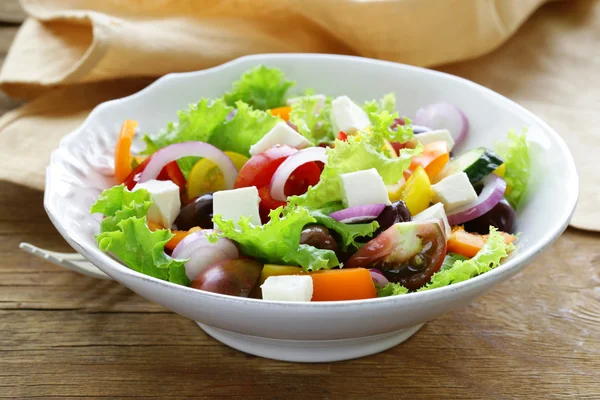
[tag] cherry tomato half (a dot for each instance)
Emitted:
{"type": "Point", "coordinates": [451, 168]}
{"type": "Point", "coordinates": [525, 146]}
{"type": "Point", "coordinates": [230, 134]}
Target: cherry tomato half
{"type": "Point", "coordinates": [171, 172]}
{"type": "Point", "coordinates": [407, 252]}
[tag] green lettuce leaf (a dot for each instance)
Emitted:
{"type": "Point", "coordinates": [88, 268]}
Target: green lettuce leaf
{"type": "Point", "coordinates": [391, 289]}
{"type": "Point", "coordinates": [277, 241]}
{"type": "Point", "coordinates": [125, 233]}
{"type": "Point", "coordinates": [489, 257]}
{"type": "Point", "coordinates": [261, 87]}
{"type": "Point", "coordinates": [198, 123]}
{"type": "Point", "coordinates": [356, 154]}
{"type": "Point", "coordinates": [348, 232]}
{"type": "Point", "coordinates": [450, 259]}
{"type": "Point", "coordinates": [118, 203]}
{"type": "Point", "coordinates": [143, 250]}
{"type": "Point", "coordinates": [247, 127]}
{"type": "Point", "coordinates": [312, 124]}
{"type": "Point", "coordinates": [515, 152]}
{"type": "Point", "coordinates": [381, 129]}
{"type": "Point", "coordinates": [387, 103]}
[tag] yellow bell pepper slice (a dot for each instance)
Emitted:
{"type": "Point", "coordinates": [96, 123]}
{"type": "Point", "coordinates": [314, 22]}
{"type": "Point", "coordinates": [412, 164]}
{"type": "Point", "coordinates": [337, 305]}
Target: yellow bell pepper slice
{"type": "Point", "coordinates": [206, 177]}
{"type": "Point", "coordinates": [417, 193]}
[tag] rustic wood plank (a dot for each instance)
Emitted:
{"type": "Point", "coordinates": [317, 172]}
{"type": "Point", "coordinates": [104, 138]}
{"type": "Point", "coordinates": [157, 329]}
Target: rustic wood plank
{"type": "Point", "coordinates": [65, 336]}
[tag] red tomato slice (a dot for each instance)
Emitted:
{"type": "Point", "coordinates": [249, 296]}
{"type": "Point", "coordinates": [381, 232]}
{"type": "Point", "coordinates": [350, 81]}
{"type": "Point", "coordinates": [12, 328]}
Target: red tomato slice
{"type": "Point", "coordinates": [342, 136]}
{"type": "Point", "coordinates": [259, 170]}
{"type": "Point", "coordinates": [171, 172]}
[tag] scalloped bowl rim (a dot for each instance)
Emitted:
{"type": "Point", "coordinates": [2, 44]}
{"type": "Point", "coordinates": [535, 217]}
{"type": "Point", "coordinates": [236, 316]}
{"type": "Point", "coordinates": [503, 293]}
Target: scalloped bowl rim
{"type": "Point", "coordinates": [521, 258]}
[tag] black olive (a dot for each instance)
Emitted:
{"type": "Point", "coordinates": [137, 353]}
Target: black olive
{"type": "Point", "coordinates": [197, 213]}
{"type": "Point", "coordinates": [397, 212]}
{"type": "Point", "coordinates": [318, 236]}
{"type": "Point", "coordinates": [502, 216]}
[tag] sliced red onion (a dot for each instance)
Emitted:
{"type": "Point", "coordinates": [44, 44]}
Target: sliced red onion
{"type": "Point", "coordinates": [350, 215]}
{"type": "Point", "coordinates": [378, 277]}
{"type": "Point", "coordinates": [444, 116]}
{"type": "Point", "coordinates": [198, 149]}
{"type": "Point", "coordinates": [283, 172]}
{"type": "Point", "coordinates": [202, 253]}
{"type": "Point", "coordinates": [492, 193]}
{"type": "Point", "coordinates": [231, 114]}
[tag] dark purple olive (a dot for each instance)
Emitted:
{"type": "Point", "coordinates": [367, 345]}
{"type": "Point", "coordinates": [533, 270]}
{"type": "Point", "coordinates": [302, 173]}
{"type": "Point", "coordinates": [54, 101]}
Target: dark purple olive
{"type": "Point", "coordinates": [502, 216]}
{"type": "Point", "coordinates": [197, 213]}
{"type": "Point", "coordinates": [397, 212]}
{"type": "Point", "coordinates": [232, 277]}
{"type": "Point", "coordinates": [318, 236]}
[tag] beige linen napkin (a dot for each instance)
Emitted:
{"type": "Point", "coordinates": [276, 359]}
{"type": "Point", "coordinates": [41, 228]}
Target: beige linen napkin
{"type": "Point", "coordinates": [73, 54]}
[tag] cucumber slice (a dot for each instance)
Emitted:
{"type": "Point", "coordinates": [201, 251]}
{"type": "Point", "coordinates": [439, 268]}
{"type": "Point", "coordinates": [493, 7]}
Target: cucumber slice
{"type": "Point", "coordinates": [477, 164]}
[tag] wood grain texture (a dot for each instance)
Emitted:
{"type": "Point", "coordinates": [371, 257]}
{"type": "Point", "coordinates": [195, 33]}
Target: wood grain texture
{"type": "Point", "coordinates": [65, 336]}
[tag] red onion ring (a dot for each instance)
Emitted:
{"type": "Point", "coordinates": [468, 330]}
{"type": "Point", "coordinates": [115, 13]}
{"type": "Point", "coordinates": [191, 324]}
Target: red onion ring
{"type": "Point", "coordinates": [492, 193]}
{"type": "Point", "coordinates": [367, 212]}
{"type": "Point", "coordinates": [378, 277]}
{"type": "Point", "coordinates": [198, 149]}
{"type": "Point", "coordinates": [444, 116]}
{"type": "Point", "coordinates": [283, 172]}
{"type": "Point", "coordinates": [202, 253]}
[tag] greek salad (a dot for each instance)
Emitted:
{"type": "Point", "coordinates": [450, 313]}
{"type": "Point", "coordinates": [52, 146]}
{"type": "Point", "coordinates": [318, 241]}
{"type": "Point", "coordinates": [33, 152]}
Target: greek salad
{"type": "Point", "coordinates": [311, 197]}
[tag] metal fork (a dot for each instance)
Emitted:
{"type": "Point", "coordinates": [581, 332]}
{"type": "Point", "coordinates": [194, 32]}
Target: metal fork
{"type": "Point", "coordinates": [73, 261]}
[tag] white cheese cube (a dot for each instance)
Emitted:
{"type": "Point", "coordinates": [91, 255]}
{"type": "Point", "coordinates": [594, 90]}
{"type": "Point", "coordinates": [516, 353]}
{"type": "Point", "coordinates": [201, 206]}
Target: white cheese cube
{"type": "Point", "coordinates": [363, 187]}
{"type": "Point", "coordinates": [454, 191]}
{"type": "Point", "coordinates": [165, 201]}
{"type": "Point", "coordinates": [441, 135]}
{"type": "Point", "coordinates": [288, 288]}
{"type": "Point", "coordinates": [347, 116]}
{"type": "Point", "coordinates": [281, 133]}
{"type": "Point", "coordinates": [237, 203]}
{"type": "Point", "coordinates": [436, 212]}
{"type": "Point", "coordinates": [321, 98]}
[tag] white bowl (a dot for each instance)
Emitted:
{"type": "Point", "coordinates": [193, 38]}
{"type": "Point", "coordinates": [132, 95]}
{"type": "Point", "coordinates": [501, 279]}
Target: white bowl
{"type": "Point", "coordinates": [310, 332]}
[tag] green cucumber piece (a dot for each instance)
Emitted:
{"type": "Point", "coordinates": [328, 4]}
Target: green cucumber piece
{"type": "Point", "coordinates": [477, 164]}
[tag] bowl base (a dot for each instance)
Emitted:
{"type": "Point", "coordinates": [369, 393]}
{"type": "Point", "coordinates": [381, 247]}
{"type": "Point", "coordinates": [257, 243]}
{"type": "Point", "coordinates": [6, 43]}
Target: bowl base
{"type": "Point", "coordinates": [310, 350]}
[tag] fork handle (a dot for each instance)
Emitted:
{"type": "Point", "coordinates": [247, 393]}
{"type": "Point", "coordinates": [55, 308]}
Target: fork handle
{"type": "Point", "coordinates": [72, 261]}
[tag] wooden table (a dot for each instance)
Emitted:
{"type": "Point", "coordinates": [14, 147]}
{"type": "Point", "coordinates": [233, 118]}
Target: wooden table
{"type": "Point", "coordinates": [63, 335]}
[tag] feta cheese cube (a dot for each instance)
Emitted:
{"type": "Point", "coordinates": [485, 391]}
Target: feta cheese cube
{"type": "Point", "coordinates": [281, 133]}
{"type": "Point", "coordinates": [321, 98]}
{"type": "Point", "coordinates": [363, 187]}
{"type": "Point", "coordinates": [165, 201]}
{"type": "Point", "coordinates": [436, 212]}
{"type": "Point", "coordinates": [288, 288]}
{"type": "Point", "coordinates": [237, 203]}
{"type": "Point", "coordinates": [441, 135]}
{"type": "Point", "coordinates": [454, 191]}
{"type": "Point", "coordinates": [347, 116]}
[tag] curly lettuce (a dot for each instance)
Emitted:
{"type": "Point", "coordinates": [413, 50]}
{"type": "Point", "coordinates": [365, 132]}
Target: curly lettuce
{"type": "Point", "coordinates": [356, 154]}
{"type": "Point", "coordinates": [381, 131]}
{"type": "Point", "coordinates": [198, 123]}
{"type": "Point", "coordinates": [312, 123]}
{"type": "Point", "coordinates": [246, 128]}
{"type": "Point", "coordinates": [261, 87]}
{"type": "Point", "coordinates": [387, 103]}
{"type": "Point", "coordinates": [488, 258]}
{"type": "Point", "coordinates": [125, 233]}
{"type": "Point", "coordinates": [515, 152]}
{"type": "Point", "coordinates": [277, 241]}
{"type": "Point", "coordinates": [348, 233]}
{"type": "Point", "coordinates": [390, 289]}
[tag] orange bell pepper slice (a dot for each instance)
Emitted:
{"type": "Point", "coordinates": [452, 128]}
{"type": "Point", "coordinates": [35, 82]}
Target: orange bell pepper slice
{"type": "Point", "coordinates": [343, 284]}
{"type": "Point", "coordinates": [434, 157]}
{"type": "Point", "coordinates": [468, 244]}
{"type": "Point", "coordinates": [123, 150]}
{"type": "Point", "coordinates": [178, 235]}
{"type": "Point", "coordinates": [282, 112]}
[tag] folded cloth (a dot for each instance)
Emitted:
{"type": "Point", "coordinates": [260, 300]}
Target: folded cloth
{"type": "Point", "coordinates": [73, 54]}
